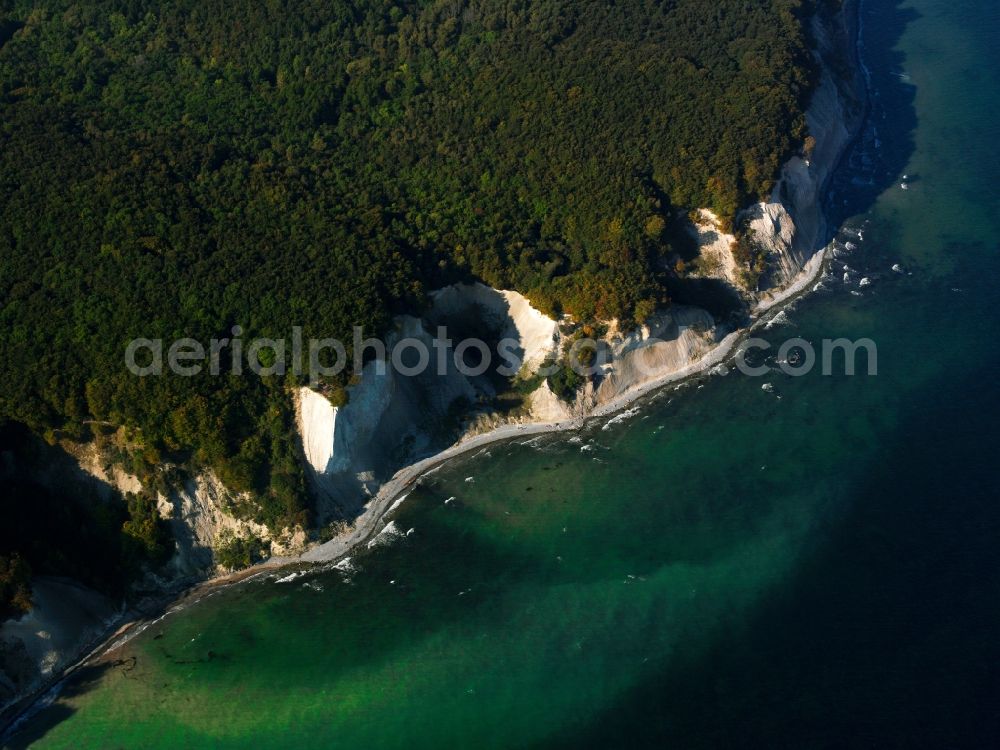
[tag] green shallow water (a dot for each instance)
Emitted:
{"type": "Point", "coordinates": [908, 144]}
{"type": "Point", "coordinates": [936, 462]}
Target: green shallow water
{"type": "Point", "coordinates": [727, 567]}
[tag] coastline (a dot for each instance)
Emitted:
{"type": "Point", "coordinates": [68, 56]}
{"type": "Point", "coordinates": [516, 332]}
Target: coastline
{"type": "Point", "coordinates": [388, 497]}
{"type": "Point", "coordinates": [377, 513]}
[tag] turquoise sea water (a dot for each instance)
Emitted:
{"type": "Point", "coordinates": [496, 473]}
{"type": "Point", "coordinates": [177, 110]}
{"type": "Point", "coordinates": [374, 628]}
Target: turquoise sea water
{"type": "Point", "coordinates": [813, 567]}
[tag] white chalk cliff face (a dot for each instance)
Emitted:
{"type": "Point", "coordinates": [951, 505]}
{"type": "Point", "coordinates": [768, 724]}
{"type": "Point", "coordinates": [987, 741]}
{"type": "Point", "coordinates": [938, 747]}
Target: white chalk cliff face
{"type": "Point", "coordinates": [715, 249]}
{"type": "Point", "coordinates": [317, 419]}
{"type": "Point", "coordinates": [393, 419]}
{"type": "Point", "coordinates": [509, 314]}
{"type": "Point", "coordinates": [791, 225]}
{"type": "Point", "coordinates": [669, 341]}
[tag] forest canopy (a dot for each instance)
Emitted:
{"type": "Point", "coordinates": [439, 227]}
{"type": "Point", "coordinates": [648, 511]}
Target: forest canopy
{"type": "Point", "coordinates": [174, 169]}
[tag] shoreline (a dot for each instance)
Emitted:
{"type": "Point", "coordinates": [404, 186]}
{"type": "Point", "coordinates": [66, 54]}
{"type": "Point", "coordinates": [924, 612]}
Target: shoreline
{"type": "Point", "coordinates": [391, 494]}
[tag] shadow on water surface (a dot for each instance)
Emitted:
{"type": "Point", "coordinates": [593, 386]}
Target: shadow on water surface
{"type": "Point", "coordinates": [874, 162]}
{"type": "Point", "coordinates": [35, 727]}
{"type": "Point", "coordinates": [878, 157]}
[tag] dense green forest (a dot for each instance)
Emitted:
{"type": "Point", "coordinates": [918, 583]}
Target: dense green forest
{"type": "Point", "coordinates": [171, 170]}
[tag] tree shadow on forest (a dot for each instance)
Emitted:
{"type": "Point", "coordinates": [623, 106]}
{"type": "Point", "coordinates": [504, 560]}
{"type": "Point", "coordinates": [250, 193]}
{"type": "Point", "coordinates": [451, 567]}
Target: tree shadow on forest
{"type": "Point", "coordinates": [877, 159]}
